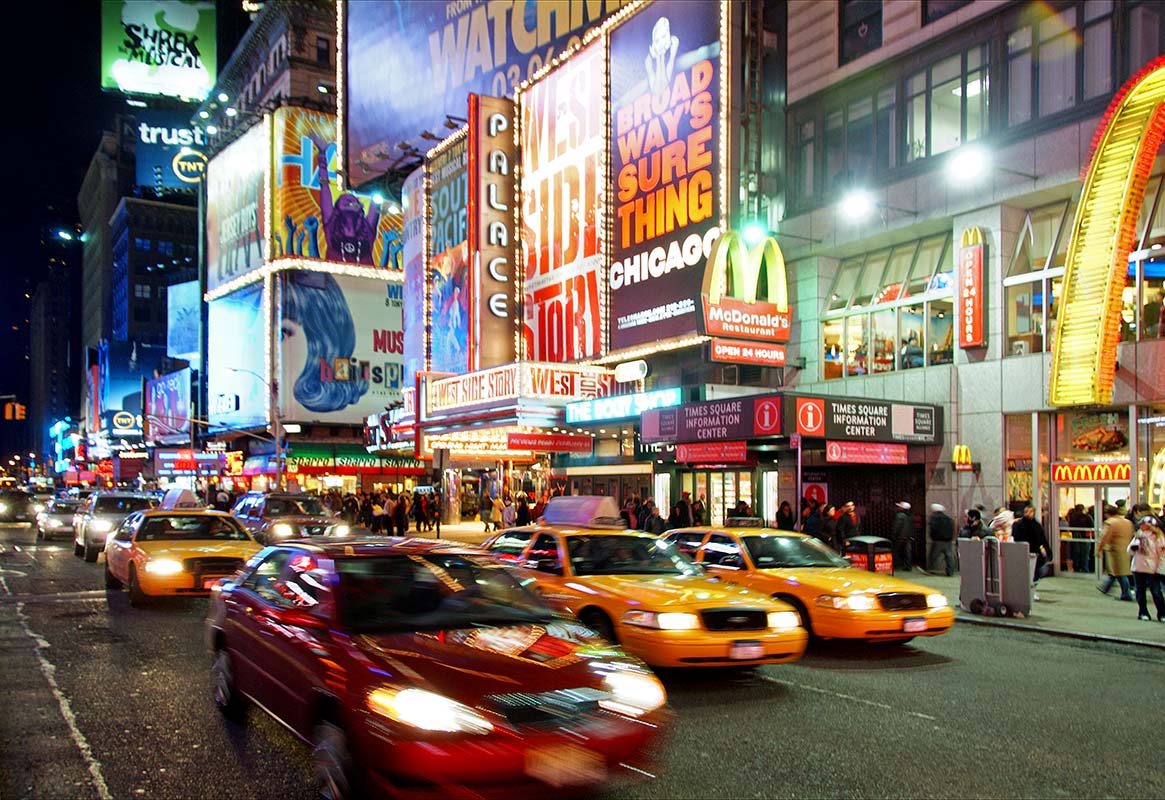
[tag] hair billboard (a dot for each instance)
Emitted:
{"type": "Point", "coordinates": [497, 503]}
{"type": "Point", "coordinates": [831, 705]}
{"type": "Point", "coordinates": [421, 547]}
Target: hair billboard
{"type": "Point", "coordinates": [562, 188]}
{"type": "Point", "coordinates": [342, 351]}
{"type": "Point", "coordinates": [158, 47]}
{"type": "Point", "coordinates": [237, 392]}
{"type": "Point", "coordinates": [665, 139]}
{"type": "Point", "coordinates": [235, 226]}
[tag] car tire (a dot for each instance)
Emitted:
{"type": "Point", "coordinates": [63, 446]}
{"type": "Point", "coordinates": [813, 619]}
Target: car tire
{"type": "Point", "coordinates": [332, 768]}
{"type": "Point", "coordinates": [137, 598]}
{"type": "Point", "coordinates": [91, 552]}
{"type": "Point", "coordinates": [226, 697]}
{"type": "Point", "coordinates": [111, 581]}
{"type": "Point", "coordinates": [802, 612]}
{"type": "Point", "coordinates": [600, 623]}
{"type": "Point", "coordinates": [78, 550]}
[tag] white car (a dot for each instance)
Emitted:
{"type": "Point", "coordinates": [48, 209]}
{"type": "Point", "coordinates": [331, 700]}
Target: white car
{"type": "Point", "coordinates": [102, 513]}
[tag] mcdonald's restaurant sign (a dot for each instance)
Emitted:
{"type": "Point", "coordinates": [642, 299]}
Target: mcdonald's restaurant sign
{"type": "Point", "coordinates": [961, 459]}
{"type": "Point", "coordinates": [972, 323]}
{"type": "Point", "coordinates": [733, 280]}
{"type": "Point", "coordinates": [1092, 472]}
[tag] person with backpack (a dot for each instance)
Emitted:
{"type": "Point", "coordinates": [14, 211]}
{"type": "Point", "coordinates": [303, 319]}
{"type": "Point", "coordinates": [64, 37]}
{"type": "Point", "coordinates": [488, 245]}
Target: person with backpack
{"type": "Point", "coordinates": [1148, 549]}
{"type": "Point", "coordinates": [942, 539]}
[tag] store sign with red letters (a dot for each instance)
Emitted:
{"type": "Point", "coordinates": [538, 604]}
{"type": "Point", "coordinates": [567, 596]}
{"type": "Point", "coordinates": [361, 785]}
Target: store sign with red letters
{"type": "Point", "coordinates": [712, 452]}
{"type": "Point", "coordinates": [713, 421]}
{"type": "Point", "coordinates": [969, 281]}
{"type": "Point", "coordinates": [550, 443]}
{"type": "Point", "coordinates": [865, 453]}
{"type": "Point", "coordinates": [725, 351]}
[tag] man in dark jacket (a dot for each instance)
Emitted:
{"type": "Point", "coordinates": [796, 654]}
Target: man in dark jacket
{"type": "Point", "coordinates": [942, 539]}
{"type": "Point", "coordinates": [902, 536]}
{"type": "Point", "coordinates": [847, 523]}
{"type": "Point", "coordinates": [1028, 529]}
{"type": "Point", "coordinates": [973, 529]}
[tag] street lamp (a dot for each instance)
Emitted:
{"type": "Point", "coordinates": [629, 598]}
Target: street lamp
{"type": "Point", "coordinates": [857, 204]}
{"type": "Point", "coordinates": [276, 421]}
{"type": "Point", "coordinates": [970, 163]}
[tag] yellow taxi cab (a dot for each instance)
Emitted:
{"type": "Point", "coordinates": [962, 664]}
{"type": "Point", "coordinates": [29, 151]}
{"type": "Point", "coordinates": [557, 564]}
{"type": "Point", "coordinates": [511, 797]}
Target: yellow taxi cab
{"type": "Point", "coordinates": [835, 600]}
{"type": "Point", "coordinates": [175, 552]}
{"type": "Point", "coordinates": [640, 592]}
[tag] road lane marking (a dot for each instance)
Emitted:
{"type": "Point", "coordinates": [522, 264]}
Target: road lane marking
{"type": "Point", "coordinates": [850, 697]}
{"type": "Point", "coordinates": [52, 597]}
{"type": "Point", "coordinates": [24, 551]}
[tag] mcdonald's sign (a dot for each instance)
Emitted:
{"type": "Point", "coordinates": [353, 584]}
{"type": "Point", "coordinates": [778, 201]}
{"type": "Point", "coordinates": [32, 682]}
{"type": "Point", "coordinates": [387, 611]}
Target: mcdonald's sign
{"type": "Point", "coordinates": [732, 283]}
{"type": "Point", "coordinates": [1091, 472]}
{"type": "Point", "coordinates": [972, 328]}
{"type": "Point", "coordinates": [961, 458]}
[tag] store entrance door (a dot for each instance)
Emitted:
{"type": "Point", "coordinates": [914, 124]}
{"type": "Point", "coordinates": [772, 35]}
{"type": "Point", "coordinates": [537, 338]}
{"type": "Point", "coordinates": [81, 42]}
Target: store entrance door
{"type": "Point", "coordinates": [1079, 524]}
{"type": "Point", "coordinates": [721, 492]}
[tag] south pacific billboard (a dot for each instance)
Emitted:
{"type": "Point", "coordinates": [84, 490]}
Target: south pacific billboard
{"type": "Point", "coordinates": [167, 415]}
{"type": "Point", "coordinates": [562, 188]}
{"type": "Point", "coordinates": [237, 392]}
{"type": "Point", "coordinates": [168, 153]}
{"type": "Point", "coordinates": [451, 49]}
{"type": "Point", "coordinates": [448, 258]}
{"type": "Point", "coordinates": [342, 347]}
{"type": "Point", "coordinates": [158, 47]}
{"type": "Point", "coordinates": [236, 242]}
{"type": "Point", "coordinates": [665, 131]}
{"type": "Point", "coordinates": [413, 257]}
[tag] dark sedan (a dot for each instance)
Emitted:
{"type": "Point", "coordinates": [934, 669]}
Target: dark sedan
{"type": "Point", "coordinates": [16, 506]}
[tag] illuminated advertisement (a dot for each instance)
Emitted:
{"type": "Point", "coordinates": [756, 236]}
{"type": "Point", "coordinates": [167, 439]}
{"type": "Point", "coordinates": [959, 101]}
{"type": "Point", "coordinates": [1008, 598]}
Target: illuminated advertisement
{"type": "Point", "coordinates": [451, 49]}
{"type": "Point", "coordinates": [158, 47]}
{"type": "Point", "coordinates": [562, 188]}
{"type": "Point", "coordinates": [235, 226]}
{"type": "Point", "coordinates": [121, 366]}
{"type": "Point", "coordinates": [448, 258]}
{"type": "Point", "coordinates": [313, 217]}
{"type": "Point", "coordinates": [169, 150]}
{"type": "Point", "coordinates": [188, 463]}
{"type": "Point", "coordinates": [237, 393]}
{"type": "Point", "coordinates": [342, 352]}
{"type": "Point", "coordinates": [413, 236]}
{"type": "Point", "coordinates": [167, 417]}
{"type": "Point", "coordinates": [665, 132]}
{"type": "Point", "coordinates": [182, 321]}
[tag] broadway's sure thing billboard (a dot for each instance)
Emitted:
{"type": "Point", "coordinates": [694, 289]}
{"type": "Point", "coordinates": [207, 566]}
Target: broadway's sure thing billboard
{"type": "Point", "coordinates": [237, 393]}
{"type": "Point", "coordinates": [446, 50]}
{"type": "Point", "coordinates": [158, 47]}
{"type": "Point", "coordinates": [168, 151]}
{"type": "Point", "coordinates": [167, 417]}
{"type": "Point", "coordinates": [665, 132]}
{"type": "Point", "coordinates": [342, 351]}
{"type": "Point", "coordinates": [448, 258]}
{"type": "Point", "coordinates": [562, 188]}
{"type": "Point", "coordinates": [236, 241]}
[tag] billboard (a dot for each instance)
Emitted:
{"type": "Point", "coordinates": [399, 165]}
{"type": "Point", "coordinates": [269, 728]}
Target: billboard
{"type": "Point", "coordinates": [168, 151]}
{"type": "Point", "coordinates": [121, 367]}
{"type": "Point", "coordinates": [313, 217]}
{"type": "Point", "coordinates": [236, 240]}
{"type": "Point", "coordinates": [158, 47]}
{"type": "Point", "coordinates": [451, 49]}
{"type": "Point", "coordinates": [183, 304]}
{"type": "Point", "coordinates": [237, 393]}
{"type": "Point", "coordinates": [413, 256]}
{"type": "Point", "coordinates": [665, 133]}
{"type": "Point", "coordinates": [857, 420]}
{"type": "Point", "coordinates": [714, 420]}
{"type": "Point", "coordinates": [448, 258]}
{"type": "Point", "coordinates": [167, 416]}
{"type": "Point", "coordinates": [342, 347]}
{"type": "Point", "coordinates": [563, 144]}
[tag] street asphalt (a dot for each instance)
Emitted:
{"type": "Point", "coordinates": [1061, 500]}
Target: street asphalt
{"type": "Point", "coordinates": [105, 701]}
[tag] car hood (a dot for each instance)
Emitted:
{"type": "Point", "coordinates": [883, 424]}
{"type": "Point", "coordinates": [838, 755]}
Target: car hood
{"type": "Point", "coordinates": [673, 592]}
{"type": "Point", "coordinates": [842, 580]}
{"type": "Point", "coordinates": [199, 549]}
{"type": "Point", "coordinates": [467, 663]}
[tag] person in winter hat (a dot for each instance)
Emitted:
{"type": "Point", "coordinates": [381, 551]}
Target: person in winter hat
{"type": "Point", "coordinates": [1147, 548]}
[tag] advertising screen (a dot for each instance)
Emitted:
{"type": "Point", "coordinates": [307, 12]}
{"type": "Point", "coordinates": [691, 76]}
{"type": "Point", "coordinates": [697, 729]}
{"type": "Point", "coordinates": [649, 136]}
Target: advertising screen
{"type": "Point", "coordinates": [448, 259]}
{"type": "Point", "coordinates": [182, 309]}
{"type": "Point", "coordinates": [313, 217]}
{"type": "Point", "coordinates": [158, 47]}
{"type": "Point", "coordinates": [237, 393]}
{"type": "Point", "coordinates": [342, 352]}
{"type": "Point", "coordinates": [450, 48]}
{"type": "Point", "coordinates": [121, 367]}
{"type": "Point", "coordinates": [168, 151]}
{"type": "Point", "coordinates": [235, 229]}
{"type": "Point", "coordinates": [665, 120]}
{"type": "Point", "coordinates": [562, 186]}
{"type": "Point", "coordinates": [413, 253]}
{"type": "Point", "coordinates": [167, 417]}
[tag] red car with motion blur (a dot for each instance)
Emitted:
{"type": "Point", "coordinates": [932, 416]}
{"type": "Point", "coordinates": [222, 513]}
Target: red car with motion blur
{"type": "Point", "coordinates": [420, 668]}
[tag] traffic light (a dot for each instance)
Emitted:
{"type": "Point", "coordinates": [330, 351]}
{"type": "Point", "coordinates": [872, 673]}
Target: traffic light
{"type": "Point", "coordinates": [20, 411]}
{"type": "Point", "coordinates": [14, 411]}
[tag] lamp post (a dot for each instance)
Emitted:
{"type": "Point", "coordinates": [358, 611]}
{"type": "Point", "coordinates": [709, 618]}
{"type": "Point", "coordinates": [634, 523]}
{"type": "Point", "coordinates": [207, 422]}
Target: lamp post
{"type": "Point", "coordinates": [276, 420]}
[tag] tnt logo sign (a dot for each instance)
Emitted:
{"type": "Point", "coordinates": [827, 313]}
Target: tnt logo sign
{"type": "Point", "coordinates": [810, 416]}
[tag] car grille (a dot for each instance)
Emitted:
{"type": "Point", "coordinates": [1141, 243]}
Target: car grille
{"type": "Point", "coordinates": [902, 601]}
{"type": "Point", "coordinates": [314, 530]}
{"type": "Point", "coordinates": [538, 709]}
{"type": "Point", "coordinates": [735, 619]}
{"type": "Point", "coordinates": [211, 566]}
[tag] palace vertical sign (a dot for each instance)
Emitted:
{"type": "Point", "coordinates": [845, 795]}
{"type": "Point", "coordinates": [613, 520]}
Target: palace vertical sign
{"type": "Point", "coordinates": [972, 328]}
{"type": "Point", "coordinates": [493, 155]}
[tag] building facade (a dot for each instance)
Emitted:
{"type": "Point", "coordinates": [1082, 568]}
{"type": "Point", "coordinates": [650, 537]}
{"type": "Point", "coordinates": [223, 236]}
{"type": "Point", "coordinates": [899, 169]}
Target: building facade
{"type": "Point", "coordinates": [52, 364]}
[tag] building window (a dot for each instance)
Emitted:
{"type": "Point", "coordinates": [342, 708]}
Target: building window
{"type": "Point", "coordinates": [141, 291]}
{"type": "Point", "coordinates": [861, 28]}
{"type": "Point", "coordinates": [859, 140]}
{"type": "Point", "coordinates": [806, 141]}
{"type": "Point", "coordinates": [937, 9]}
{"type": "Point", "coordinates": [1057, 62]}
{"type": "Point", "coordinates": [1098, 50]}
{"type": "Point", "coordinates": [1033, 277]}
{"type": "Point", "coordinates": [946, 104]}
{"type": "Point", "coordinates": [166, 248]}
{"type": "Point", "coordinates": [145, 245]}
{"type": "Point", "coordinates": [323, 50]}
{"type": "Point", "coordinates": [1143, 29]}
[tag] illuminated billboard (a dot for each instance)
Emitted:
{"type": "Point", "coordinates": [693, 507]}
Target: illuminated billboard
{"type": "Point", "coordinates": [563, 144]}
{"type": "Point", "coordinates": [158, 47]}
{"type": "Point", "coordinates": [342, 351]}
{"type": "Point", "coordinates": [183, 304]}
{"type": "Point", "coordinates": [167, 414]}
{"type": "Point", "coordinates": [450, 49]}
{"type": "Point", "coordinates": [237, 392]}
{"type": "Point", "coordinates": [236, 241]}
{"type": "Point", "coordinates": [665, 139]}
{"type": "Point", "coordinates": [413, 255]}
{"type": "Point", "coordinates": [168, 153]}
{"type": "Point", "coordinates": [448, 258]}
{"type": "Point", "coordinates": [121, 367]}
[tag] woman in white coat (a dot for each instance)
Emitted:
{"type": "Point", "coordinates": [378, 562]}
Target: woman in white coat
{"type": "Point", "coordinates": [1148, 551]}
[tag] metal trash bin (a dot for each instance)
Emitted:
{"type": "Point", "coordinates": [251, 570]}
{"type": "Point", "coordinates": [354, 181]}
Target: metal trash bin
{"type": "Point", "coordinates": [995, 578]}
{"type": "Point", "coordinates": [871, 553]}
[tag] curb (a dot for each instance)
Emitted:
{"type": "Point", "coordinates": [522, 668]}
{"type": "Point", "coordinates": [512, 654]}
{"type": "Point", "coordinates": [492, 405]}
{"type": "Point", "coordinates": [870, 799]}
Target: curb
{"type": "Point", "coordinates": [972, 619]}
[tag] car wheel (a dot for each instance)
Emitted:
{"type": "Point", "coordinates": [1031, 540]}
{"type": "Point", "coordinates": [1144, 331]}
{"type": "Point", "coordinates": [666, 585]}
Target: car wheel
{"type": "Point", "coordinates": [600, 623]}
{"type": "Point", "coordinates": [137, 598]}
{"type": "Point", "coordinates": [91, 553]}
{"type": "Point", "coordinates": [111, 581]}
{"type": "Point", "coordinates": [226, 697]}
{"type": "Point", "coordinates": [802, 612]}
{"type": "Point", "coordinates": [78, 549]}
{"type": "Point", "coordinates": [332, 763]}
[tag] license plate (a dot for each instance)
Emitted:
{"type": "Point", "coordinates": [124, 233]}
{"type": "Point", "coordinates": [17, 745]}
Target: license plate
{"type": "Point", "coordinates": [914, 624]}
{"type": "Point", "coordinates": [565, 765]}
{"type": "Point", "coordinates": [746, 651]}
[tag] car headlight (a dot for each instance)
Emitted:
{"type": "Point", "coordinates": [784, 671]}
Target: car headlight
{"type": "Point", "coordinates": [427, 711]}
{"type": "Point", "coordinates": [282, 530]}
{"type": "Point", "coordinates": [784, 620]}
{"type": "Point", "coordinates": [853, 602]}
{"type": "Point", "coordinates": [341, 530]}
{"type": "Point", "coordinates": [936, 601]}
{"type": "Point", "coordinates": [100, 525]}
{"type": "Point", "coordinates": [3, 508]}
{"type": "Point", "coordinates": [664, 621]}
{"type": "Point", "coordinates": [38, 508]}
{"type": "Point", "coordinates": [633, 693]}
{"type": "Point", "coordinates": [164, 566]}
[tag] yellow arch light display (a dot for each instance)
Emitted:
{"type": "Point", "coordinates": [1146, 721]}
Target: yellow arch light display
{"type": "Point", "coordinates": [733, 261]}
{"type": "Point", "coordinates": [1088, 325]}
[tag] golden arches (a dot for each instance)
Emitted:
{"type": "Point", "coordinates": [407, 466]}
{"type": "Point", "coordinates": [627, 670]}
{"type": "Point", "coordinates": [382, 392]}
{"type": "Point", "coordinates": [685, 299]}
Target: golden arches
{"type": "Point", "coordinates": [730, 258]}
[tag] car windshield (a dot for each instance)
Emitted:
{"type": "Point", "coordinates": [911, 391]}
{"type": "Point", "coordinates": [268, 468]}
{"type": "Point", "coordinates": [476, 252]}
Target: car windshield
{"type": "Point", "coordinates": [120, 505]}
{"type": "Point", "coordinates": [384, 594]}
{"type": "Point", "coordinates": [188, 527]}
{"type": "Point", "coordinates": [627, 555]}
{"type": "Point", "coordinates": [775, 551]}
{"type": "Point", "coordinates": [301, 506]}
{"type": "Point", "coordinates": [61, 506]}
